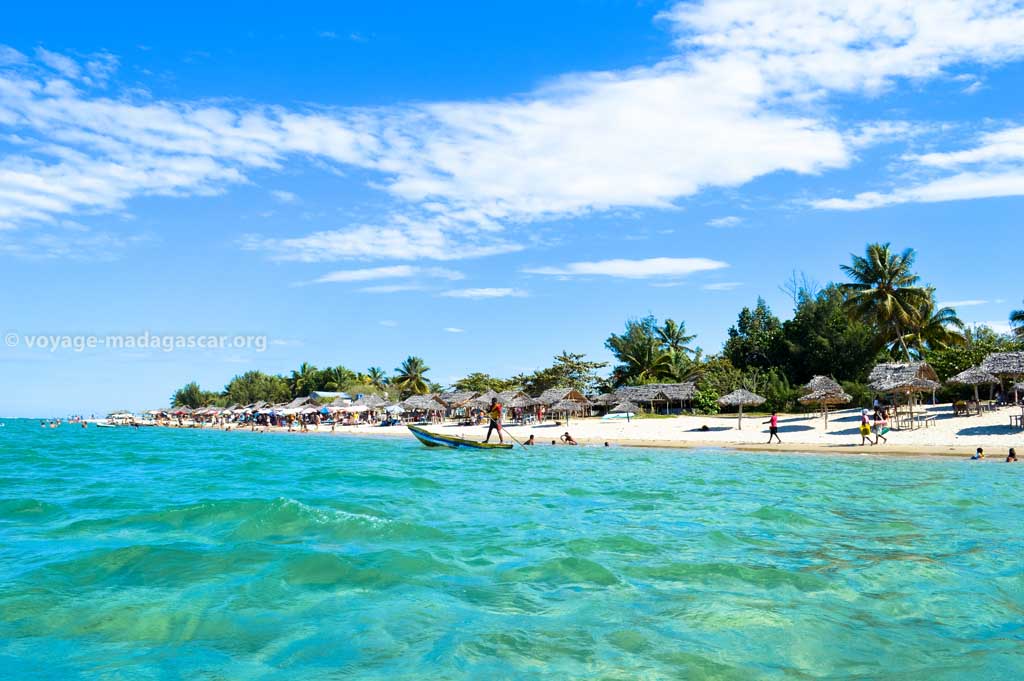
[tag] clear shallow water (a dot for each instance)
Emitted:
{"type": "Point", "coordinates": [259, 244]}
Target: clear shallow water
{"type": "Point", "coordinates": [158, 554]}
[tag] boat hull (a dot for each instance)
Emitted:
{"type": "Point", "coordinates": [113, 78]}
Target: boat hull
{"type": "Point", "coordinates": [435, 440]}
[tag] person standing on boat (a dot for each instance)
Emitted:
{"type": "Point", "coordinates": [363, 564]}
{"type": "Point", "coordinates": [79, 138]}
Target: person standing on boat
{"type": "Point", "coordinates": [494, 420]}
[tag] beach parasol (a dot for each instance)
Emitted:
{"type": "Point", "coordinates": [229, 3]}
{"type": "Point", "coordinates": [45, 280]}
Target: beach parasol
{"type": "Point", "coordinates": [824, 391]}
{"type": "Point", "coordinates": [626, 408]}
{"type": "Point", "coordinates": [355, 409]}
{"type": "Point", "coordinates": [566, 407]}
{"type": "Point", "coordinates": [521, 401]}
{"type": "Point", "coordinates": [371, 401]}
{"type": "Point", "coordinates": [975, 376]}
{"type": "Point", "coordinates": [741, 398]}
{"type": "Point", "coordinates": [1006, 365]}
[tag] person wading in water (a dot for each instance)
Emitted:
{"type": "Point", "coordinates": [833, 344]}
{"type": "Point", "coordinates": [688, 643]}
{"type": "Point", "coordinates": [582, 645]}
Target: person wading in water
{"type": "Point", "coordinates": [494, 418]}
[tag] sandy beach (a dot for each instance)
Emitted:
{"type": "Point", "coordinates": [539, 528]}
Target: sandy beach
{"type": "Point", "coordinates": [948, 435]}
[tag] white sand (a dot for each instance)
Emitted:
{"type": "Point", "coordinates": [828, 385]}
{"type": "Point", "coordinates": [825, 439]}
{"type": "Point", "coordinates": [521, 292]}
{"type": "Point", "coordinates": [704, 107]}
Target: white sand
{"type": "Point", "coordinates": [959, 435]}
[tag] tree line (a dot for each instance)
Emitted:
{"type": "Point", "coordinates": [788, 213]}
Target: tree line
{"type": "Point", "coordinates": [882, 312]}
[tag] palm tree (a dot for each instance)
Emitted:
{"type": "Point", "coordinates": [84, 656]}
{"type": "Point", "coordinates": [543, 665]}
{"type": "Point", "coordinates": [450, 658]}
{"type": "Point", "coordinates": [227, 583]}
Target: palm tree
{"type": "Point", "coordinates": [304, 380]}
{"type": "Point", "coordinates": [884, 292]}
{"type": "Point", "coordinates": [336, 378]}
{"type": "Point", "coordinates": [378, 379]}
{"type": "Point", "coordinates": [1017, 322]}
{"type": "Point", "coordinates": [673, 337]}
{"type": "Point", "coordinates": [932, 328]}
{"type": "Point", "coordinates": [411, 377]}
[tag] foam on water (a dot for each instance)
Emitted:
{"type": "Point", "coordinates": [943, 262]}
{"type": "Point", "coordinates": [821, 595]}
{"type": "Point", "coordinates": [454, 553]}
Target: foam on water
{"type": "Point", "coordinates": [156, 554]}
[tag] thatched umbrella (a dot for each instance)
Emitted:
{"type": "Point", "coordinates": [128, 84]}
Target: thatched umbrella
{"type": "Point", "coordinates": [483, 401]}
{"type": "Point", "coordinates": [626, 408]}
{"type": "Point", "coordinates": [740, 398]}
{"type": "Point", "coordinates": [824, 398]}
{"type": "Point", "coordinates": [566, 407]}
{"type": "Point", "coordinates": [371, 401]}
{"type": "Point", "coordinates": [1006, 365]}
{"type": "Point", "coordinates": [975, 376]}
{"type": "Point", "coordinates": [521, 401]}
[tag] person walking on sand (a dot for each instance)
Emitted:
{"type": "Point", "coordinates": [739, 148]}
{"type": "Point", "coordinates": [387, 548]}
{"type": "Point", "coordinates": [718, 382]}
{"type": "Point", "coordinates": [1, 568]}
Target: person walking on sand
{"type": "Point", "coordinates": [881, 427]}
{"type": "Point", "coordinates": [865, 428]}
{"type": "Point", "coordinates": [773, 428]}
{"type": "Point", "coordinates": [494, 420]}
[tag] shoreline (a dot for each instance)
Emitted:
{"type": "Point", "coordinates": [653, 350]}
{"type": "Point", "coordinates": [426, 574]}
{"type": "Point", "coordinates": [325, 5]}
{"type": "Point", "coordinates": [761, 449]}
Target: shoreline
{"type": "Point", "coordinates": [847, 448]}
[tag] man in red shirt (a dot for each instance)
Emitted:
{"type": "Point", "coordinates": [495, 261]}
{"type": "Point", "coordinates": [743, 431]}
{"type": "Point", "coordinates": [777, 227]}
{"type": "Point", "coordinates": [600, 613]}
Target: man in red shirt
{"type": "Point", "coordinates": [494, 418]}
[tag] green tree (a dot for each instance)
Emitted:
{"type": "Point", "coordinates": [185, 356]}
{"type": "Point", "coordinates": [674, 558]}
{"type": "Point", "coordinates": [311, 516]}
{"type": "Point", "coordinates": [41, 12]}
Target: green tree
{"type": "Point", "coordinates": [410, 378]}
{"type": "Point", "coordinates": [931, 327]}
{"type": "Point", "coordinates": [1017, 322]}
{"type": "Point", "coordinates": [979, 342]}
{"type": "Point", "coordinates": [192, 396]}
{"type": "Point", "coordinates": [822, 339]}
{"type": "Point", "coordinates": [256, 386]}
{"type": "Point", "coordinates": [335, 379]}
{"type": "Point", "coordinates": [640, 352]}
{"type": "Point", "coordinates": [569, 370]}
{"type": "Point", "coordinates": [756, 338]}
{"type": "Point", "coordinates": [378, 379]}
{"type": "Point", "coordinates": [673, 337]}
{"type": "Point", "coordinates": [481, 383]}
{"type": "Point", "coordinates": [304, 380]}
{"type": "Point", "coordinates": [884, 292]}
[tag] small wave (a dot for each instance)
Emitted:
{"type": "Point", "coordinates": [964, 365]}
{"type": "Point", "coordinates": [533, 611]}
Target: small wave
{"type": "Point", "coordinates": [563, 571]}
{"type": "Point", "coordinates": [762, 576]}
{"type": "Point", "coordinates": [28, 509]}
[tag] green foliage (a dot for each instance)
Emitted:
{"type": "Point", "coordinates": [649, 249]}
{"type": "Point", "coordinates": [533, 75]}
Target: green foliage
{"type": "Point", "coordinates": [755, 341]}
{"type": "Point", "coordinates": [774, 386]}
{"type": "Point", "coordinates": [481, 383]}
{"type": "Point", "coordinates": [411, 377]}
{"type": "Point", "coordinates": [862, 395]}
{"type": "Point", "coordinates": [884, 293]}
{"type": "Point", "coordinates": [822, 339]}
{"type": "Point", "coordinates": [718, 375]}
{"type": "Point", "coordinates": [255, 386]}
{"type": "Point", "coordinates": [979, 342]}
{"type": "Point", "coordinates": [648, 353]}
{"type": "Point", "coordinates": [570, 370]}
{"type": "Point", "coordinates": [190, 395]}
{"type": "Point", "coordinates": [706, 401]}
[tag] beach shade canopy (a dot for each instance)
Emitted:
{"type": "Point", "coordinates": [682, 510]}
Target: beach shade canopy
{"type": "Point", "coordinates": [394, 409]}
{"type": "Point", "coordinates": [521, 400]}
{"type": "Point", "coordinates": [182, 410]}
{"type": "Point", "coordinates": [1004, 363]}
{"type": "Point", "coordinates": [567, 406]}
{"type": "Point", "coordinates": [371, 401]}
{"type": "Point", "coordinates": [355, 409]}
{"type": "Point", "coordinates": [627, 408]}
{"type": "Point", "coordinates": [606, 400]}
{"type": "Point", "coordinates": [422, 402]}
{"type": "Point", "coordinates": [822, 384]}
{"type": "Point", "coordinates": [741, 398]}
{"type": "Point", "coordinates": [483, 401]}
{"type": "Point", "coordinates": [824, 397]}
{"type": "Point", "coordinates": [903, 377]}
{"type": "Point", "coordinates": [975, 376]}
{"type": "Point", "coordinates": [458, 398]}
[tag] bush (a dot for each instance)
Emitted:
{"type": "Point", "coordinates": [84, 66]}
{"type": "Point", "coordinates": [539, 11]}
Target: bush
{"type": "Point", "coordinates": [862, 395]}
{"type": "Point", "coordinates": [705, 401]}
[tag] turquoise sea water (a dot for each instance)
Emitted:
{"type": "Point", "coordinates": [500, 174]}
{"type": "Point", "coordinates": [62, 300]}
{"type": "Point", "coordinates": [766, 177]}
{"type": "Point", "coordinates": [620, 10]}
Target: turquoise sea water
{"type": "Point", "coordinates": [160, 554]}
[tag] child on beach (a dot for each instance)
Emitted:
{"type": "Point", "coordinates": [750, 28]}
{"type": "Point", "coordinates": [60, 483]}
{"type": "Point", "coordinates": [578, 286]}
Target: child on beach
{"type": "Point", "coordinates": [880, 427]}
{"type": "Point", "coordinates": [865, 428]}
{"type": "Point", "coordinates": [773, 428]}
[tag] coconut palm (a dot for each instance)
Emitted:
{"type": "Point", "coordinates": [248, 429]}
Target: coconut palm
{"type": "Point", "coordinates": [335, 378]}
{"type": "Point", "coordinates": [673, 337]}
{"type": "Point", "coordinates": [884, 292]}
{"type": "Point", "coordinates": [1017, 322]}
{"type": "Point", "coordinates": [378, 379]}
{"type": "Point", "coordinates": [411, 377]}
{"type": "Point", "coordinates": [304, 380]}
{"type": "Point", "coordinates": [933, 328]}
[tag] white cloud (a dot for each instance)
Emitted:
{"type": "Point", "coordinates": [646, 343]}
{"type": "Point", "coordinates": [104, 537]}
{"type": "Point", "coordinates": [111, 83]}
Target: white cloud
{"type": "Point", "coordinates": [962, 303]}
{"type": "Point", "coordinates": [634, 269]}
{"type": "Point", "coordinates": [392, 272]}
{"type": "Point", "coordinates": [485, 293]}
{"type": "Point", "coordinates": [727, 221]}
{"type": "Point", "coordinates": [66, 66]}
{"type": "Point", "coordinates": [738, 101]}
{"type": "Point", "coordinates": [283, 196]}
{"type": "Point", "coordinates": [454, 329]}
{"type": "Point", "coordinates": [391, 288]}
{"type": "Point", "coordinates": [722, 286]}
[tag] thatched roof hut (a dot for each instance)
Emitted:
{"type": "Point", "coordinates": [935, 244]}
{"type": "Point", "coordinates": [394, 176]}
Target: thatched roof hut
{"type": "Point", "coordinates": [975, 376]}
{"type": "Point", "coordinates": [653, 393]}
{"type": "Point", "coordinates": [371, 401]}
{"type": "Point", "coordinates": [458, 398]}
{"type": "Point", "coordinates": [423, 403]}
{"type": "Point", "coordinates": [903, 377]}
{"type": "Point", "coordinates": [605, 400]}
{"type": "Point", "coordinates": [519, 400]}
{"type": "Point", "coordinates": [552, 396]}
{"type": "Point", "coordinates": [297, 402]}
{"type": "Point", "coordinates": [1005, 364]}
{"type": "Point", "coordinates": [482, 401]}
{"type": "Point", "coordinates": [741, 398]}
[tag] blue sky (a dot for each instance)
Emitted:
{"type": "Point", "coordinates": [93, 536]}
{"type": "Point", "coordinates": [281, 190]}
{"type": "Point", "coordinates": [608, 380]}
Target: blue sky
{"type": "Point", "coordinates": [483, 187]}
